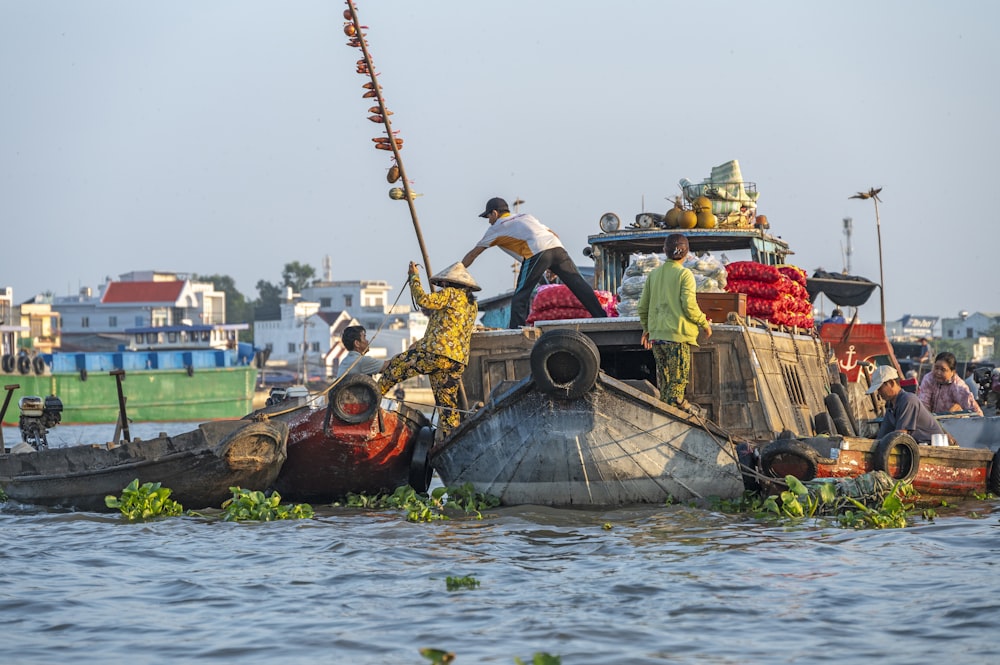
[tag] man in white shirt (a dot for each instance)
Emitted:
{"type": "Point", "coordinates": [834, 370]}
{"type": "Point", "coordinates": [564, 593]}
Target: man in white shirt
{"type": "Point", "coordinates": [539, 250]}
{"type": "Point", "coordinates": [355, 341]}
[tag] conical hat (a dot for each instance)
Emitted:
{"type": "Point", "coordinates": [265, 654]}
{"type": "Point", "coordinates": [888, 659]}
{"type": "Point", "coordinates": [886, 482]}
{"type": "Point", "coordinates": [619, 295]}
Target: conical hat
{"type": "Point", "coordinates": [456, 274]}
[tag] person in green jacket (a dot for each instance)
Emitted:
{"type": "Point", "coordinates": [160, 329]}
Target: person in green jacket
{"type": "Point", "coordinates": [671, 320]}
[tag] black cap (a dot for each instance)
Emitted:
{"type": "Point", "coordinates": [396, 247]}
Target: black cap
{"type": "Point", "coordinates": [495, 204]}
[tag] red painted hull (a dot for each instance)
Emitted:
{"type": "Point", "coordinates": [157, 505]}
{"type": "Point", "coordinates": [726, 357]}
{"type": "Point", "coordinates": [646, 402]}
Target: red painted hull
{"type": "Point", "coordinates": [942, 470]}
{"type": "Point", "coordinates": [365, 458]}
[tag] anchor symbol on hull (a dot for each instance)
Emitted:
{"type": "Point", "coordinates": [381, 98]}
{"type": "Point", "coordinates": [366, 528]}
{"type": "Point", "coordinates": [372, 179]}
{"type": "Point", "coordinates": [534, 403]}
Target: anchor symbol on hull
{"type": "Point", "coordinates": [851, 364]}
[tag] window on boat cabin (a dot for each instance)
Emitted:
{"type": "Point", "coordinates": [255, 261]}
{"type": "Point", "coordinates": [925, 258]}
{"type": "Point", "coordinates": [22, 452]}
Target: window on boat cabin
{"type": "Point", "coordinates": [112, 321]}
{"type": "Point", "coordinates": [84, 321]}
{"type": "Point", "coordinates": [291, 347]}
{"type": "Point", "coordinates": [348, 301]}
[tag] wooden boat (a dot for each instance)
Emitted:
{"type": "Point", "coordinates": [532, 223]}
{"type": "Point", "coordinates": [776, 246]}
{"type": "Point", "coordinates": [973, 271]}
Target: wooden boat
{"type": "Point", "coordinates": [198, 466]}
{"type": "Point", "coordinates": [590, 440]}
{"type": "Point", "coordinates": [565, 426]}
{"type": "Point", "coordinates": [951, 471]}
{"type": "Point", "coordinates": [348, 443]}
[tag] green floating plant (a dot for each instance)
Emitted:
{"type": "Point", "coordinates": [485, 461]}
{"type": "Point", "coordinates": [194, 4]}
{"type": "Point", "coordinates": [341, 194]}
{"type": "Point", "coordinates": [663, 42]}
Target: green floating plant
{"type": "Point", "coordinates": [456, 583]}
{"type": "Point", "coordinates": [254, 505]}
{"type": "Point", "coordinates": [146, 501]}
{"type": "Point", "coordinates": [541, 658]}
{"type": "Point", "coordinates": [427, 507]}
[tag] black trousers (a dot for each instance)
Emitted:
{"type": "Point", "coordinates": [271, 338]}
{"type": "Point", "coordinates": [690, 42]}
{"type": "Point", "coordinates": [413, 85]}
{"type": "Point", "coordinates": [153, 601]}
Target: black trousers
{"type": "Point", "coordinates": [533, 271]}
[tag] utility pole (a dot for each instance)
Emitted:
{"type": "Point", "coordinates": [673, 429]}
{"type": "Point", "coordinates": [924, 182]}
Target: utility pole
{"type": "Point", "coordinates": [848, 248]}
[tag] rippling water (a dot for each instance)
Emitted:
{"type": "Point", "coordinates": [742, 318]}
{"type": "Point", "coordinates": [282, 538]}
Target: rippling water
{"type": "Point", "coordinates": [662, 585]}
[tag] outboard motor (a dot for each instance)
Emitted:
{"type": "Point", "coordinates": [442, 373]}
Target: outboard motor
{"type": "Point", "coordinates": [37, 418]}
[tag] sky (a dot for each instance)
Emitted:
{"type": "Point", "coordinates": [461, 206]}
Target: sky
{"type": "Point", "coordinates": [230, 137]}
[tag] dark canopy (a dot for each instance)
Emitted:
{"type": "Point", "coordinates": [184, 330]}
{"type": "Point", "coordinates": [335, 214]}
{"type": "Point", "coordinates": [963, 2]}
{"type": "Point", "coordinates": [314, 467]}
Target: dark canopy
{"type": "Point", "coordinates": [842, 290]}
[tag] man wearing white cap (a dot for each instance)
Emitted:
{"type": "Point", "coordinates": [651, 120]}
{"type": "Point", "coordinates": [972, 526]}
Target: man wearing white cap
{"type": "Point", "coordinates": [904, 412]}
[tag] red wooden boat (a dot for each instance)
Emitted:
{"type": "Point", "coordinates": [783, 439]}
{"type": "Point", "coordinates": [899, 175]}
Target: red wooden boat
{"type": "Point", "coordinates": [952, 471]}
{"type": "Point", "coordinates": [348, 443]}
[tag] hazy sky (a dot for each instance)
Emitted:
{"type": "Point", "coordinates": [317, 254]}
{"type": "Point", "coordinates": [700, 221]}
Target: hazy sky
{"type": "Point", "coordinates": [231, 137]}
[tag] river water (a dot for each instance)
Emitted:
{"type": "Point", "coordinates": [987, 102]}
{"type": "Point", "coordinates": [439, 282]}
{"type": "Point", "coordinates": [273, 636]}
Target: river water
{"type": "Point", "coordinates": [669, 584]}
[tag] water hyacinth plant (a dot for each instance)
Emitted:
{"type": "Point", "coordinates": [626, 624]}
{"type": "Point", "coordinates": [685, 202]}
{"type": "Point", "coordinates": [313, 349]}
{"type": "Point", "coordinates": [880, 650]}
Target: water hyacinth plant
{"type": "Point", "coordinates": [146, 501]}
{"type": "Point", "coordinates": [254, 505]}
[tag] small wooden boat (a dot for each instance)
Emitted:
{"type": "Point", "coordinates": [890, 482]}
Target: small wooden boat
{"type": "Point", "coordinates": [570, 434]}
{"type": "Point", "coordinates": [951, 471]}
{"type": "Point", "coordinates": [350, 443]}
{"type": "Point", "coordinates": [198, 466]}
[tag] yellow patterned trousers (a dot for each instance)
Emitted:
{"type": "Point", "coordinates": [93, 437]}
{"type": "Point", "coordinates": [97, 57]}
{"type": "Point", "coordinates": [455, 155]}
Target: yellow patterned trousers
{"type": "Point", "coordinates": [444, 374]}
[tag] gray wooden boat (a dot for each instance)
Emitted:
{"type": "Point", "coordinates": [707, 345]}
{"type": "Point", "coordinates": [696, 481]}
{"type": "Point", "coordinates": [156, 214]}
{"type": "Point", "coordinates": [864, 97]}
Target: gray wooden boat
{"type": "Point", "coordinates": [199, 466]}
{"type": "Point", "coordinates": [612, 445]}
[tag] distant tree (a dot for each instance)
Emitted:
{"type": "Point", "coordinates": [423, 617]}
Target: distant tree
{"type": "Point", "coordinates": [238, 309]}
{"type": "Point", "coordinates": [298, 275]}
{"type": "Point", "coordinates": [268, 304]}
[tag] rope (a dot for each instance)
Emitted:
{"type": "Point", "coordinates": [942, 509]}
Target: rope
{"type": "Point", "coordinates": [314, 397]}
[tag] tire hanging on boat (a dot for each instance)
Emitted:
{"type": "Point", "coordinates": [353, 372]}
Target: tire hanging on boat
{"type": "Point", "coordinates": [823, 424]}
{"type": "Point", "coordinates": [8, 363]}
{"type": "Point", "coordinates": [24, 364]}
{"type": "Point", "coordinates": [355, 399]}
{"type": "Point", "coordinates": [789, 457]}
{"type": "Point", "coordinates": [994, 482]}
{"type": "Point", "coordinates": [564, 363]}
{"type": "Point", "coordinates": [838, 414]}
{"type": "Point", "coordinates": [38, 365]}
{"type": "Point", "coordinates": [906, 450]}
{"type": "Point", "coordinates": [420, 466]}
{"type": "Point", "coordinates": [840, 389]}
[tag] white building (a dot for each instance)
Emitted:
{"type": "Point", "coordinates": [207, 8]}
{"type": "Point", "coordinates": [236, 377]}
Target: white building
{"type": "Point", "coordinates": [972, 330]}
{"type": "Point", "coordinates": [311, 323]}
{"type": "Point", "coordinates": [136, 299]}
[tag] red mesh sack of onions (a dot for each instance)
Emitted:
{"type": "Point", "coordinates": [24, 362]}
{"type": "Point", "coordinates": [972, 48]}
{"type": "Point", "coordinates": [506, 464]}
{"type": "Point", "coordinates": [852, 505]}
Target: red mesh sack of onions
{"type": "Point", "coordinates": [753, 271]}
{"type": "Point", "coordinates": [753, 288]}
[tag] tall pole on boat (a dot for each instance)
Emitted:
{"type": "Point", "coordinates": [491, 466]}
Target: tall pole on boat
{"type": "Point", "coordinates": [353, 29]}
{"type": "Point", "coordinates": [873, 195]}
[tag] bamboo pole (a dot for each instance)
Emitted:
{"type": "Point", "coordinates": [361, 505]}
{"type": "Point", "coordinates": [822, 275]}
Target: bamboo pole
{"type": "Point", "coordinates": [384, 112]}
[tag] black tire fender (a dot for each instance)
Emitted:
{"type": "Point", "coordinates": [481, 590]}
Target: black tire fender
{"type": "Point", "coordinates": [24, 364]}
{"type": "Point", "coordinates": [565, 363]}
{"type": "Point", "coordinates": [905, 447]}
{"type": "Point", "coordinates": [350, 392]}
{"type": "Point", "coordinates": [38, 365]}
{"type": "Point", "coordinates": [822, 423]}
{"type": "Point", "coordinates": [789, 457]}
{"type": "Point", "coordinates": [841, 391]}
{"type": "Point", "coordinates": [838, 414]}
{"type": "Point", "coordinates": [994, 483]}
{"type": "Point", "coordinates": [8, 363]}
{"type": "Point", "coordinates": [420, 466]}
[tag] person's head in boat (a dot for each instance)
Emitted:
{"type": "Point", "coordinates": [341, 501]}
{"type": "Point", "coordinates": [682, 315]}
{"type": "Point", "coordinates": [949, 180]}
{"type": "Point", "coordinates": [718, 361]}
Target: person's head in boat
{"type": "Point", "coordinates": [676, 246]}
{"type": "Point", "coordinates": [885, 381]}
{"type": "Point", "coordinates": [355, 338]}
{"type": "Point", "coordinates": [944, 367]}
{"type": "Point", "coordinates": [456, 276]}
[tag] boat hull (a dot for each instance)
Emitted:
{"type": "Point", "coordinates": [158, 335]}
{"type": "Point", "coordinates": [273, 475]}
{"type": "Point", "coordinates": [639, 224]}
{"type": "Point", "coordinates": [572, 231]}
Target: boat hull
{"type": "Point", "coordinates": [614, 445]}
{"type": "Point", "coordinates": [947, 471]}
{"type": "Point", "coordinates": [329, 459]}
{"type": "Point", "coordinates": [198, 466]}
{"type": "Point", "coordinates": [157, 395]}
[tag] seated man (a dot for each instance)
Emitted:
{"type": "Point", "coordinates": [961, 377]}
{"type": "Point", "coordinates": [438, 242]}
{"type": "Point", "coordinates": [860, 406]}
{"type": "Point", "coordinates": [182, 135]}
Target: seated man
{"type": "Point", "coordinates": [904, 411]}
{"type": "Point", "coordinates": [356, 343]}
